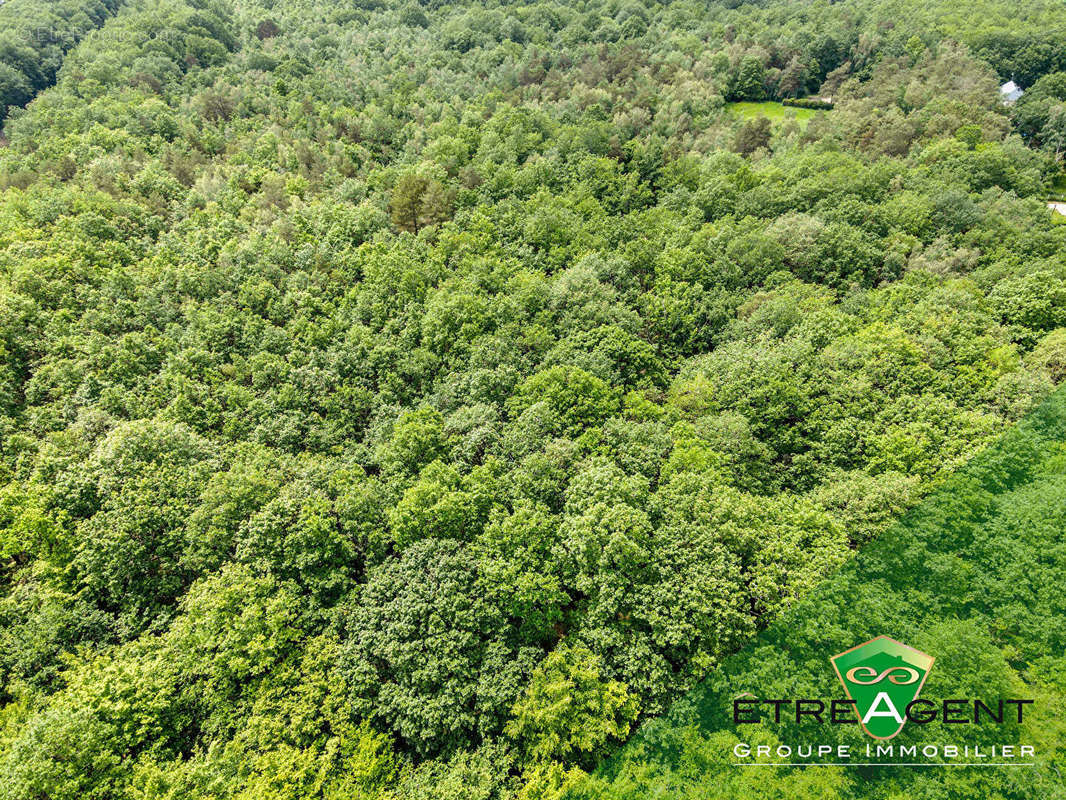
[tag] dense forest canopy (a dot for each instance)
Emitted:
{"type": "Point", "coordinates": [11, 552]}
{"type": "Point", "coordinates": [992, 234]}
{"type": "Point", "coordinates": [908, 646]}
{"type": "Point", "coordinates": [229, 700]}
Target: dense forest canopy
{"type": "Point", "coordinates": [34, 37]}
{"type": "Point", "coordinates": [973, 573]}
{"type": "Point", "coordinates": [399, 400]}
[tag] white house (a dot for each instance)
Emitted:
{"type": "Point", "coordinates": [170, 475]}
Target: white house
{"type": "Point", "coordinates": [1010, 92]}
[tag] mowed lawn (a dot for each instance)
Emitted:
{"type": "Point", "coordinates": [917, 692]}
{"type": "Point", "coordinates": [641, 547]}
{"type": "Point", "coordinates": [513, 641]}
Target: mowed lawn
{"type": "Point", "coordinates": [775, 112]}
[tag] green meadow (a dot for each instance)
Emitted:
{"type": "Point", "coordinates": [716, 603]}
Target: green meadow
{"type": "Point", "coordinates": [775, 112]}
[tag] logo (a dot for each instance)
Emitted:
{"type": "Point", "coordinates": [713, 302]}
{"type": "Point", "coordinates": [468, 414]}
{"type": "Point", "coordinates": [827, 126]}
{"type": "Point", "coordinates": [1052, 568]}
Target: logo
{"type": "Point", "coordinates": [882, 677]}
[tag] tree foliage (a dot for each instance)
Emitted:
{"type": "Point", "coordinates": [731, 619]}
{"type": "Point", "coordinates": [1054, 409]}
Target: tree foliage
{"type": "Point", "coordinates": [399, 400]}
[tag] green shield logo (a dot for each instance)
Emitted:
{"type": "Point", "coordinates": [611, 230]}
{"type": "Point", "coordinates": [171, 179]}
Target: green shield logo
{"type": "Point", "coordinates": [883, 677]}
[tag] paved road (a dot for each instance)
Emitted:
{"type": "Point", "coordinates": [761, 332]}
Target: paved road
{"type": "Point", "coordinates": [1060, 207]}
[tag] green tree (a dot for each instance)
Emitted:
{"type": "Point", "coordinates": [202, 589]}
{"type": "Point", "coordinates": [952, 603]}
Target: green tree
{"type": "Point", "coordinates": [752, 135]}
{"type": "Point", "coordinates": [569, 711]}
{"type": "Point", "coordinates": [749, 81]}
{"type": "Point", "coordinates": [418, 201]}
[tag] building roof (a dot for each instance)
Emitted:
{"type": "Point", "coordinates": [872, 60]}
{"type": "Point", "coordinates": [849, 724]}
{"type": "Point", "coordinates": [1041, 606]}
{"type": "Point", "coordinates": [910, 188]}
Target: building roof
{"type": "Point", "coordinates": [1010, 92]}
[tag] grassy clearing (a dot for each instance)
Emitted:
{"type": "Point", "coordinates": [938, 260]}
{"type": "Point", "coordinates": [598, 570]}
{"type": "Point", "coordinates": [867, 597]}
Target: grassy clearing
{"type": "Point", "coordinates": [775, 112]}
